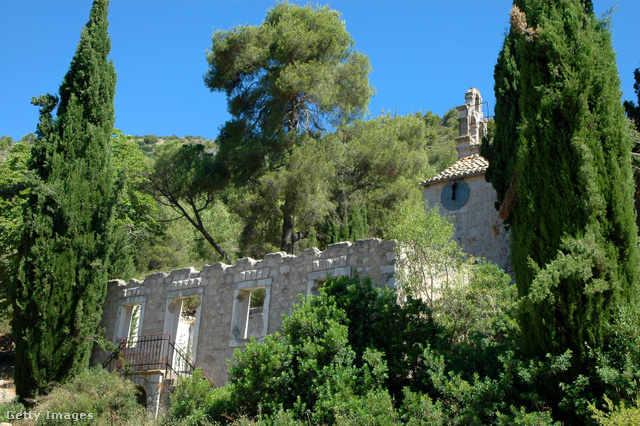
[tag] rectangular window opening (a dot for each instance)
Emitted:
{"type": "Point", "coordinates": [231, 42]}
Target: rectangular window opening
{"type": "Point", "coordinates": [134, 324]}
{"type": "Point", "coordinates": [254, 324]}
{"type": "Point", "coordinates": [129, 328]}
{"type": "Point", "coordinates": [186, 323]}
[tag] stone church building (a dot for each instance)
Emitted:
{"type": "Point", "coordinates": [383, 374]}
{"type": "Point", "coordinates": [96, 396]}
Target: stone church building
{"type": "Point", "coordinates": [462, 193]}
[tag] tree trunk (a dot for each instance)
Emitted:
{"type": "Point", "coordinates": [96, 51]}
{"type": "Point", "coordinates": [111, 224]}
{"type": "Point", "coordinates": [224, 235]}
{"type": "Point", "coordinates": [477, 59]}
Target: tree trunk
{"type": "Point", "coordinates": [196, 221]}
{"type": "Point", "coordinates": [288, 227]}
{"type": "Point", "coordinates": [289, 234]}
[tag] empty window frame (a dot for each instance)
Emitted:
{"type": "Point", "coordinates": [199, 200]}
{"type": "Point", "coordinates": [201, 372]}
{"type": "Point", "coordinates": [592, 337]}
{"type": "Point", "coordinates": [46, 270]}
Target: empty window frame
{"type": "Point", "coordinates": [129, 321]}
{"type": "Point", "coordinates": [250, 312]}
{"type": "Point", "coordinates": [253, 314]}
{"type": "Point", "coordinates": [182, 318]}
{"type": "Point", "coordinates": [315, 280]}
{"type": "Point", "coordinates": [186, 324]}
{"type": "Point", "coordinates": [134, 323]}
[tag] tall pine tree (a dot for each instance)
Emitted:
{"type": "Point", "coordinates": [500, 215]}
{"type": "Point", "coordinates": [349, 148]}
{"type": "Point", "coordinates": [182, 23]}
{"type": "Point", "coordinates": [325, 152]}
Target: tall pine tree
{"type": "Point", "coordinates": [292, 78]}
{"type": "Point", "coordinates": [560, 163]}
{"type": "Point", "coordinates": [67, 239]}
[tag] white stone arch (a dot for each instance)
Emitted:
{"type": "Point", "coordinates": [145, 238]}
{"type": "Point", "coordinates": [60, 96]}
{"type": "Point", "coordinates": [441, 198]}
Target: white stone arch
{"type": "Point", "coordinates": [477, 102]}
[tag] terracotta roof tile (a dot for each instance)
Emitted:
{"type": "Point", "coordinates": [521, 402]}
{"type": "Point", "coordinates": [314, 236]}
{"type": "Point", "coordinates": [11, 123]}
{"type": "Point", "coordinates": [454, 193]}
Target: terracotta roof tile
{"type": "Point", "coordinates": [468, 166]}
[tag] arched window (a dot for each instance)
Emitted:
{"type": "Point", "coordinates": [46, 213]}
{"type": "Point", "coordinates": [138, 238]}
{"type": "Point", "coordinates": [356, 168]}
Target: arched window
{"type": "Point", "coordinates": [141, 394]}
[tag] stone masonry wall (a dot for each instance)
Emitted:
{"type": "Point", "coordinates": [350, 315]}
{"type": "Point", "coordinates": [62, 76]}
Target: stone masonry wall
{"type": "Point", "coordinates": [477, 226]}
{"type": "Point", "coordinates": [224, 293]}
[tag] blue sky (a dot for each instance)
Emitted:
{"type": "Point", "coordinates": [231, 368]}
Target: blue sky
{"type": "Point", "coordinates": [425, 55]}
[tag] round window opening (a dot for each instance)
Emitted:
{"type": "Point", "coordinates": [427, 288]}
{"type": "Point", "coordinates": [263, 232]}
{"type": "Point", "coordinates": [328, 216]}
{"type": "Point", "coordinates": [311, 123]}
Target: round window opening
{"type": "Point", "coordinates": [455, 195]}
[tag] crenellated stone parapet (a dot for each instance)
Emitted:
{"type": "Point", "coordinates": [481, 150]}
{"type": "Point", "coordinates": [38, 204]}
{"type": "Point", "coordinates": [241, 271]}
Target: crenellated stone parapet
{"type": "Point", "coordinates": [228, 313]}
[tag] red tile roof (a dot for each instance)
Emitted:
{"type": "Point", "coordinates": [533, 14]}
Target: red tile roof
{"type": "Point", "coordinates": [468, 166]}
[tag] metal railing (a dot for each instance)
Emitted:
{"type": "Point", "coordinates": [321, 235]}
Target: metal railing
{"type": "Point", "coordinates": [158, 352]}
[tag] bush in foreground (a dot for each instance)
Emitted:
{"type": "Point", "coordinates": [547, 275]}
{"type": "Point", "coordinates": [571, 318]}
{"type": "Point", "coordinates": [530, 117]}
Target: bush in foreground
{"type": "Point", "coordinates": [354, 355]}
{"type": "Point", "coordinates": [103, 398]}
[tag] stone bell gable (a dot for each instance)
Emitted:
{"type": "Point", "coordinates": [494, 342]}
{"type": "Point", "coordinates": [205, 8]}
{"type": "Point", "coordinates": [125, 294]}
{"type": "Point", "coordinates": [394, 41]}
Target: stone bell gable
{"type": "Point", "coordinates": [462, 193]}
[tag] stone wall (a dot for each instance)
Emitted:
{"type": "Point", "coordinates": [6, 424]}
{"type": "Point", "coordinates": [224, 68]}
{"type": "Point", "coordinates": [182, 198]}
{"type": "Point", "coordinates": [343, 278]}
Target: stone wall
{"type": "Point", "coordinates": [477, 226]}
{"type": "Point", "coordinates": [223, 316]}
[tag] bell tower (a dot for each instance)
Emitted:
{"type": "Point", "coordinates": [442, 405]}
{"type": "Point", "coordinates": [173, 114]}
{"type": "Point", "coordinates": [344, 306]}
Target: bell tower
{"type": "Point", "coordinates": [472, 124]}
{"type": "Point", "coordinates": [462, 193]}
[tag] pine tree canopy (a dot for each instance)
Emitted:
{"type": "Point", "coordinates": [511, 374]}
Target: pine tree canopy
{"type": "Point", "coordinates": [561, 157]}
{"type": "Point", "coordinates": [67, 239]}
{"type": "Point", "coordinates": [297, 71]}
{"type": "Point", "coordinates": [294, 76]}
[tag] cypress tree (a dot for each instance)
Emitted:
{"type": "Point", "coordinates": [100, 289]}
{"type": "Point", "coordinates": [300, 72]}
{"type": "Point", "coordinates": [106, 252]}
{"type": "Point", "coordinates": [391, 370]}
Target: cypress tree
{"type": "Point", "coordinates": [67, 238]}
{"type": "Point", "coordinates": [560, 162]}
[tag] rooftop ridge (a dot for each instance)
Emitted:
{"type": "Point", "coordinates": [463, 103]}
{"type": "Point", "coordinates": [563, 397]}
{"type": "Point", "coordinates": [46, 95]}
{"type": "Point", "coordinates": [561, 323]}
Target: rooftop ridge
{"type": "Point", "coordinates": [468, 166]}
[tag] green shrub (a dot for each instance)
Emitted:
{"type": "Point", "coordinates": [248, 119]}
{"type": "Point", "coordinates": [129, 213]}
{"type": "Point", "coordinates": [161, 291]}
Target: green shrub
{"type": "Point", "coordinates": [618, 365]}
{"type": "Point", "coordinates": [281, 418]}
{"type": "Point", "coordinates": [420, 409]}
{"type": "Point", "coordinates": [305, 373]}
{"type": "Point", "coordinates": [8, 410]}
{"type": "Point", "coordinates": [373, 408]}
{"type": "Point", "coordinates": [104, 398]}
{"type": "Point", "coordinates": [341, 355]}
{"type": "Point", "coordinates": [620, 415]}
{"type": "Point", "coordinates": [150, 139]}
{"type": "Point", "coordinates": [520, 417]}
{"type": "Point", "coordinates": [195, 401]}
{"type": "Point", "coordinates": [375, 320]}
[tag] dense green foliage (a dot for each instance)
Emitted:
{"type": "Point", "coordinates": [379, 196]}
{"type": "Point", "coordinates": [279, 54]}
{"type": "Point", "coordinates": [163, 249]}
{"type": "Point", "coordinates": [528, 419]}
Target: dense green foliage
{"type": "Point", "coordinates": [397, 331]}
{"type": "Point", "coordinates": [67, 239]}
{"type": "Point", "coordinates": [617, 415]}
{"type": "Point", "coordinates": [379, 163]}
{"type": "Point", "coordinates": [347, 183]}
{"type": "Point", "coordinates": [354, 355]}
{"type": "Point", "coordinates": [94, 397]}
{"type": "Point", "coordinates": [136, 212]}
{"type": "Point", "coordinates": [309, 370]}
{"type": "Point", "coordinates": [563, 148]}
{"type": "Point", "coordinates": [455, 365]}
{"type": "Point", "coordinates": [310, 166]}
{"type": "Point", "coordinates": [14, 194]}
{"type": "Point", "coordinates": [184, 178]}
{"type": "Point", "coordinates": [633, 113]}
{"type": "Point", "coordinates": [452, 359]}
{"type": "Point", "coordinates": [287, 81]}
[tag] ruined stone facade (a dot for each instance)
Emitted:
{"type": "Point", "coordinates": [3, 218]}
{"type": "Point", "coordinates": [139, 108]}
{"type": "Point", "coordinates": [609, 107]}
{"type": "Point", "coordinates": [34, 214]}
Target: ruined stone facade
{"type": "Point", "coordinates": [226, 316]}
{"type": "Point", "coordinates": [462, 193]}
{"type": "Point", "coordinates": [249, 299]}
